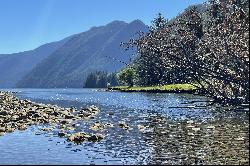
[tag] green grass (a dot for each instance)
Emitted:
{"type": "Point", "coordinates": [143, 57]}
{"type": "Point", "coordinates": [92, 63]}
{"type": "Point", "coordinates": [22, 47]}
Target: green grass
{"type": "Point", "coordinates": [171, 87]}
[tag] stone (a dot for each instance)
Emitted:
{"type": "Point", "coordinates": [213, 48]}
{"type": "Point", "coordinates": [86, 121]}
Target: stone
{"type": "Point", "coordinates": [210, 127]}
{"type": "Point", "coordinates": [2, 129]}
{"type": "Point", "coordinates": [123, 125]}
{"type": "Point", "coordinates": [22, 127]}
{"type": "Point", "coordinates": [190, 121]}
{"type": "Point", "coordinates": [97, 126]}
{"type": "Point", "coordinates": [61, 134]}
{"type": "Point", "coordinates": [46, 129]}
{"type": "Point", "coordinates": [78, 137]}
{"type": "Point", "coordinates": [196, 129]}
{"type": "Point", "coordinates": [141, 127]}
{"type": "Point", "coordinates": [95, 138]}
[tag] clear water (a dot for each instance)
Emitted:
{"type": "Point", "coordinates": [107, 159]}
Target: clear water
{"type": "Point", "coordinates": [221, 136]}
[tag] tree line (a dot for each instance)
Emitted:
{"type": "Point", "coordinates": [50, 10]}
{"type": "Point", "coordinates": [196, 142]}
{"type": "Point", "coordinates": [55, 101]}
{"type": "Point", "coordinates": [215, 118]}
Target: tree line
{"type": "Point", "coordinates": [100, 79]}
{"type": "Point", "coordinates": [209, 49]}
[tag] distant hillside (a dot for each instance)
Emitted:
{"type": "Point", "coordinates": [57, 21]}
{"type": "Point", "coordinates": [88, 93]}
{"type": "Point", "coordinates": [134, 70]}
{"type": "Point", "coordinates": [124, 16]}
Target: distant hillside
{"type": "Point", "coordinates": [15, 66]}
{"type": "Point", "coordinates": [97, 49]}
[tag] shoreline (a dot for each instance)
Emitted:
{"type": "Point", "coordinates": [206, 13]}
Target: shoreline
{"type": "Point", "coordinates": [176, 88]}
{"type": "Point", "coordinates": [171, 88]}
{"type": "Point", "coordinates": [16, 114]}
{"type": "Point", "coordinates": [154, 91]}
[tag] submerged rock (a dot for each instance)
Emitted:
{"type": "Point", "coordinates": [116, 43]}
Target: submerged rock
{"type": "Point", "coordinates": [97, 126]}
{"type": "Point", "coordinates": [123, 125]}
{"type": "Point", "coordinates": [78, 137]}
{"type": "Point", "coordinates": [62, 134]}
{"type": "Point", "coordinates": [82, 136]}
{"type": "Point", "coordinates": [22, 127]}
{"type": "Point", "coordinates": [141, 127]}
{"type": "Point", "coordinates": [95, 138]}
{"type": "Point", "coordinates": [46, 129]}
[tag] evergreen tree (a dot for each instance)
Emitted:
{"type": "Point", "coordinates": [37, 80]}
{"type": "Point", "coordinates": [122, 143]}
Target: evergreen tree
{"type": "Point", "coordinates": [158, 23]}
{"type": "Point", "coordinates": [100, 79]}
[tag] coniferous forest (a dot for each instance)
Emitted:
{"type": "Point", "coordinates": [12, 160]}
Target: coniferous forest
{"type": "Point", "coordinates": [100, 80]}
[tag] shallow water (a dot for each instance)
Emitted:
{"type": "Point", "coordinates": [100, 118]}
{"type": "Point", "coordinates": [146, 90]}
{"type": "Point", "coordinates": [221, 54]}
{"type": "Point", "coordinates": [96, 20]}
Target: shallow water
{"type": "Point", "coordinates": [175, 131]}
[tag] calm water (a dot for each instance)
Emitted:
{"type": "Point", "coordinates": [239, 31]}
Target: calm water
{"type": "Point", "coordinates": [178, 129]}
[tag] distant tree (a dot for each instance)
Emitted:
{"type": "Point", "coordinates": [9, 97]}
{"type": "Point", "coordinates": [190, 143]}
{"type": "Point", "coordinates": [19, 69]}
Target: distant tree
{"type": "Point", "coordinates": [158, 23]}
{"type": "Point", "coordinates": [91, 81]}
{"type": "Point", "coordinates": [127, 76]}
{"type": "Point", "coordinates": [100, 79]}
{"type": "Point", "coordinates": [112, 79]}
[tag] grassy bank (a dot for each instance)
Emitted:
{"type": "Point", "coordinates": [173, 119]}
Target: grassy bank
{"type": "Point", "coordinates": [172, 88]}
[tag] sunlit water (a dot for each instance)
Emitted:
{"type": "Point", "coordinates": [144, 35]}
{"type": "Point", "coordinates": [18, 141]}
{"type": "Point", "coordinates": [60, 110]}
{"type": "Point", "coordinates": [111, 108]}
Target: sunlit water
{"type": "Point", "coordinates": [216, 135]}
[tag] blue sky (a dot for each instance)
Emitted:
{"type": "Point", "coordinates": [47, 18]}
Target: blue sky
{"type": "Point", "coordinates": [27, 24]}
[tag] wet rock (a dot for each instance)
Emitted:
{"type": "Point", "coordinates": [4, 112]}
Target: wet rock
{"type": "Point", "coordinates": [84, 114]}
{"type": "Point", "coordinates": [22, 127]}
{"type": "Point", "coordinates": [94, 108]}
{"type": "Point", "coordinates": [190, 126]}
{"type": "Point", "coordinates": [240, 139]}
{"type": "Point", "coordinates": [65, 121]}
{"type": "Point", "coordinates": [2, 129]}
{"type": "Point", "coordinates": [97, 126]}
{"type": "Point", "coordinates": [69, 116]}
{"type": "Point", "coordinates": [78, 137]}
{"type": "Point", "coordinates": [10, 129]}
{"type": "Point", "coordinates": [141, 127]}
{"type": "Point", "coordinates": [95, 138]}
{"type": "Point", "coordinates": [46, 129]}
{"type": "Point", "coordinates": [210, 127]}
{"type": "Point", "coordinates": [64, 112]}
{"type": "Point", "coordinates": [109, 125]}
{"type": "Point", "coordinates": [75, 125]}
{"type": "Point", "coordinates": [54, 113]}
{"type": "Point", "coordinates": [111, 113]}
{"type": "Point", "coordinates": [62, 134]}
{"type": "Point", "coordinates": [244, 162]}
{"type": "Point", "coordinates": [123, 125]}
{"type": "Point", "coordinates": [18, 114]}
{"type": "Point", "coordinates": [190, 134]}
{"type": "Point", "coordinates": [196, 129]}
{"type": "Point", "coordinates": [190, 121]}
{"type": "Point", "coordinates": [3, 112]}
{"type": "Point", "coordinates": [38, 133]}
{"type": "Point", "coordinates": [70, 128]}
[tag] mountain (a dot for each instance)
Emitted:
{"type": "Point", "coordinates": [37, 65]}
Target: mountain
{"type": "Point", "coordinates": [14, 67]}
{"type": "Point", "coordinates": [97, 49]}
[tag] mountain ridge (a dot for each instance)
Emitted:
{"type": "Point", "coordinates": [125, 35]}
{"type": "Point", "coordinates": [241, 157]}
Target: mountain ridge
{"type": "Point", "coordinates": [15, 66]}
{"type": "Point", "coordinates": [86, 52]}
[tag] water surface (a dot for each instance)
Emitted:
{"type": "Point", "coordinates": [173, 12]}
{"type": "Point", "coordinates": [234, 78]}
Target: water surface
{"type": "Point", "coordinates": [177, 129]}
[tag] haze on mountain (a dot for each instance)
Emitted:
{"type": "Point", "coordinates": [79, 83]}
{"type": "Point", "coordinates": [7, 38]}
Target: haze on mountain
{"type": "Point", "coordinates": [15, 66]}
{"type": "Point", "coordinates": [69, 63]}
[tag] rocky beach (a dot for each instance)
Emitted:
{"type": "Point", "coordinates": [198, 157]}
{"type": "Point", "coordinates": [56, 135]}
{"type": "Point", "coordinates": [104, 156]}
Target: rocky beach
{"type": "Point", "coordinates": [16, 114]}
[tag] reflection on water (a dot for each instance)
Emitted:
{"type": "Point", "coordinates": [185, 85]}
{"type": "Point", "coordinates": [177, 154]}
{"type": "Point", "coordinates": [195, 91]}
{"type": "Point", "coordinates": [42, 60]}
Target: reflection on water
{"type": "Point", "coordinates": [191, 142]}
{"type": "Point", "coordinates": [164, 129]}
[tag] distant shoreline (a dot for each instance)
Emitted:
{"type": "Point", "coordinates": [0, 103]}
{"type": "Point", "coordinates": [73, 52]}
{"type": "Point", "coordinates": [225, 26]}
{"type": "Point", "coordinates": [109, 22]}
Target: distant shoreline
{"type": "Point", "coordinates": [172, 88]}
